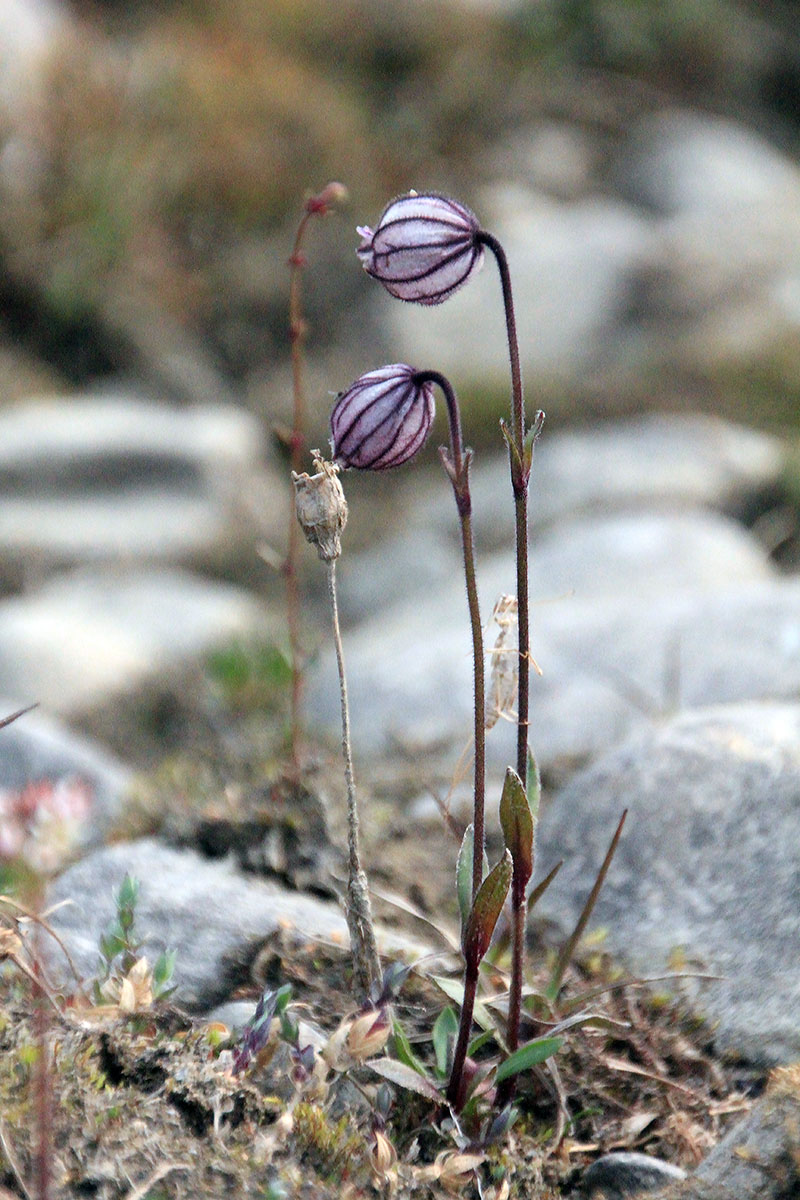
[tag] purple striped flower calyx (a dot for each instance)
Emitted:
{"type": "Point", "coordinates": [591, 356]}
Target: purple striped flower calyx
{"type": "Point", "coordinates": [382, 419]}
{"type": "Point", "coordinates": [423, 248]}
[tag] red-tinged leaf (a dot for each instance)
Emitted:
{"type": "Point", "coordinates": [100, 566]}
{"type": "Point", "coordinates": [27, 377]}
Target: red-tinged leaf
{"type": "Point", "coordinates": [485, 911]}
{"type": "Point", "coordinates": [517, 825]}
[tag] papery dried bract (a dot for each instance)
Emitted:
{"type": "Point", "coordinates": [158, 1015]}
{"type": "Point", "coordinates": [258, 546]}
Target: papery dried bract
{"type": "Point", "coordinates": [423, 248]}
{"type": "Point", "coordinates": [382, 419]}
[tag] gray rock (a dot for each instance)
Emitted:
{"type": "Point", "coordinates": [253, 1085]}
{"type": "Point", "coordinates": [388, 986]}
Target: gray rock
{"type": "Point", "coordinates": [620, 606]}
{"type": "Point", "coordinates": [569, 266]}
{"type": "Point", "coordinates": [707, 864]}
{"type": "Point", "coordinates": [29, 32]}
{"type": "Point", "coordinates": [757, 1159]}
{"type": "Point", "coordinates": [81, 786]}
{"type": "Point", "coordinates": [94, 634]}
{"type": "Point", "coordinates": [114, 478]}
{"type": "Point", "coordinates": [660, 461]}
{"type": "Point", "coordinates": [215, 918]}
{"type": "Point", "coordinates": [669, 464]}
{"type": "Point", "coordinates": [678, 161]}
{"type": "Point", "coordinates": [617, 1176]}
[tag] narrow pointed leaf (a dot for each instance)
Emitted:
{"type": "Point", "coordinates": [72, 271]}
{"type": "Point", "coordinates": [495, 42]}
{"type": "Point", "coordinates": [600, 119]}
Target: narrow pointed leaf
{"type": "Point", "coordinates": [445, 1032]}
{"type": "Point", "coordinates": [454, 990]}
{"type": "Point", "coordinates": [534, 786]}
{"type": "Point", "coordinates": [517, 825]}
{"type": "Point", "coordinates": [479, 1042]}
{"type": "Point", "coordinates": [529, 1055]}
{"type": "Point", "coordinates": [402, 1048]}
{"type": "Point", "coordinates": [554, 985]}
{"type": "Point", "coordinates": [485, 911]}
{"type": "Point", "coordinates": [464, 874]}
{"type": "Point", "coordinates": [406, 1077]}
{"type": "Point", "coordinates": [541, 888]}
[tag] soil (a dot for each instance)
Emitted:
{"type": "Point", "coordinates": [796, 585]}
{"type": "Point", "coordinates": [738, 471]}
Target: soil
{"type": "Point", "coordinates": [101, 1104]}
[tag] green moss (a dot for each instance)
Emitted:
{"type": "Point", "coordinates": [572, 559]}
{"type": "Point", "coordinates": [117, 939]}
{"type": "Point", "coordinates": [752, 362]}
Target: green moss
{"type": "Point", "coordinates": [333, 1149]}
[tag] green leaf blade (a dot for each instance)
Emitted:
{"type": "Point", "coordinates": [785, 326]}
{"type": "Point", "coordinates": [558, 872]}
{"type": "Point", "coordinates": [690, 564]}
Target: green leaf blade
{"type": "Point", "coordinates": [527, 1056]}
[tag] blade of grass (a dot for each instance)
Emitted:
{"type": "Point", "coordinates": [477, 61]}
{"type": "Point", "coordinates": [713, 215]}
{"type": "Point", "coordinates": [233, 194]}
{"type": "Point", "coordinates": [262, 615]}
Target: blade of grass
{"type": "Point", "coordinates": [554, 986]}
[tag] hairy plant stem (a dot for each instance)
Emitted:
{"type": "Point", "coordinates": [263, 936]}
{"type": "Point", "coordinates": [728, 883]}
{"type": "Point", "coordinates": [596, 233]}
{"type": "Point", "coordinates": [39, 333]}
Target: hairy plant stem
{"type": "Point", "coordinates": [457, 1086]}
{"type": "Point", "coordinates": [519, 913]}
{"type": "Point", "coordinates": [43, 1081]}
{"type": "Point", "coordinates": [457, 464]}
{"type": "Point", "coordinates": [315, 206]}
{"type": "Point", "coordinates": [359, 911]}
{"type": "Point", "coordinates": [520, 476]}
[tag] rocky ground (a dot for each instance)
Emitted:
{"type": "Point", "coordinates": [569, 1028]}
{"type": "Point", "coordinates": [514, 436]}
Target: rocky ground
{"type": "Point", "coordinates": [144, 505]}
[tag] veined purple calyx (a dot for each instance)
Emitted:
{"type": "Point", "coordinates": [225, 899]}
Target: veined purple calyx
{"type": "Point", "coordinates": [382, 419]}
{"type": "Point", "coordinates": [423, 248]}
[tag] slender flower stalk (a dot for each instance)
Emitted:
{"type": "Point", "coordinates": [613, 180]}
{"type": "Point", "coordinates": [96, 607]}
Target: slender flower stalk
{"type": "Point", "coordinates": [322, 513]}
{"type": "Point", "coordinates": [457, 464]}
{"type": "Point", "coordinates": [381, 421]}
{"type": "Point", "coordinates": [423, 248]}
{"type": "Point", "coordinates": [317, 205]}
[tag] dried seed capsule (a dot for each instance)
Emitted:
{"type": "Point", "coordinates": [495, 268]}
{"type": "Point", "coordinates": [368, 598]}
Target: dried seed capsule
{"type": "Point", "coordinates": [321, 507]}
{"type": "Point", "coordinates": [423, 248]}
{"type": "Point", "coordinates": [382, 419]}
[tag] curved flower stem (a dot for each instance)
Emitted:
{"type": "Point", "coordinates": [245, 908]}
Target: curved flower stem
{"type": "Point", "coordinates": [520, 475]}
{"type": "Point", "coordinates": [519, 459]}
{"type": "Point", "coordinates": [359, 912]}
{"type": "Point", "coordinates": [457, 464]}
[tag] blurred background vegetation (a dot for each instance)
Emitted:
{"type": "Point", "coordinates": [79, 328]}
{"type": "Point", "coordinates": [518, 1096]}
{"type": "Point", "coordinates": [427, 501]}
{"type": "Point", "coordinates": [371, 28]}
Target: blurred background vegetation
{"type": "Point", "coordinates": [155, 156]}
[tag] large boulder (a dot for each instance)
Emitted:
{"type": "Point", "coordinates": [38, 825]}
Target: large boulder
{"type": "Point", "coordinates": [706, 871]}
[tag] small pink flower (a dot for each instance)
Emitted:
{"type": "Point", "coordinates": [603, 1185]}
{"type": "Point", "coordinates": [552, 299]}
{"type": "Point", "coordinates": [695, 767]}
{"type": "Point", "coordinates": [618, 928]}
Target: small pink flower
{"type": "Point", "coordinates": [382, 419]}
{"type": "Point", "coordinates": [423, 249]}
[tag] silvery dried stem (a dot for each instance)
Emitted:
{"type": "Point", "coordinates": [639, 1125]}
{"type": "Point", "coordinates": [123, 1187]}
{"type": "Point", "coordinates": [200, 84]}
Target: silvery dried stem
{"type": "Point", "coordinates": [322, 513]}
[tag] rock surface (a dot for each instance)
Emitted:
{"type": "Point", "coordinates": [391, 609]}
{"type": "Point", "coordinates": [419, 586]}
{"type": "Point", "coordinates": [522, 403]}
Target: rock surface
{"type": "Point", "coordinates": [214, 917]}
{"type": "Point", "coordinates": [95, 634]}
{"type": "Point", "coordinates": [757, 1159]}
{"type": "Point", "coordinates": [57, 790]}
{"type": "Point", "coordinates": [631, 615]}
{"type": "Point", "coordinates": [620, 1176]}
{"type": "Point", "coordinates": [113, 478]}
{"type": "Point", "coordinates": [706, 866]}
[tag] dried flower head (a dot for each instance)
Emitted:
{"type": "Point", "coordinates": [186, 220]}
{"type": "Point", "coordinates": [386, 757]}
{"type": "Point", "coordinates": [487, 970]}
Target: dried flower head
{"type": "Point", "coordinates": [368, 1034]}
{"type": "Point", "coordinates": [423, 248]}
{"type": "Point", "coordinates": [382, 1156]}
{"type": "Point", "coordinates": [382, 419]}
{"type": "Point", "coordinates": [134, 991]}
{"type": "Point", "coordinates": [321, 507]}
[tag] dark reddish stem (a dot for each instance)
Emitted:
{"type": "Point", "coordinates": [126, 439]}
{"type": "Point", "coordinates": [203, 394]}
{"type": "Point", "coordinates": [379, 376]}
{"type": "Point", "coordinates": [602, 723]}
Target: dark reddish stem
{"type": "Point", "coordinates": [43, 1079]}
{"type": "Point", "coordinates": [519, 459]}
{"type": "Point", "coordinates": [457, 1087]}
{"type": "Point", "coordinates": [520, 474]}
{"type": "Point", "coordinates": [457, 464]}
{"type": "Point", "coordinates": [318, 205]}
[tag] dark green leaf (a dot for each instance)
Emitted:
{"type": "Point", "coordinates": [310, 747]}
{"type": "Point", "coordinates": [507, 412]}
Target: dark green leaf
{"type": "Point", "coordinates": [534, 786]}
{"type": "Point", "coordinates": [464, 873]}
{"type": "Point", "coordinates": [528, 1056]}
{"type": "Point", "coordinates": [402, 1048]}
{"type": "Point", "coordinates": [443, 1036]}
